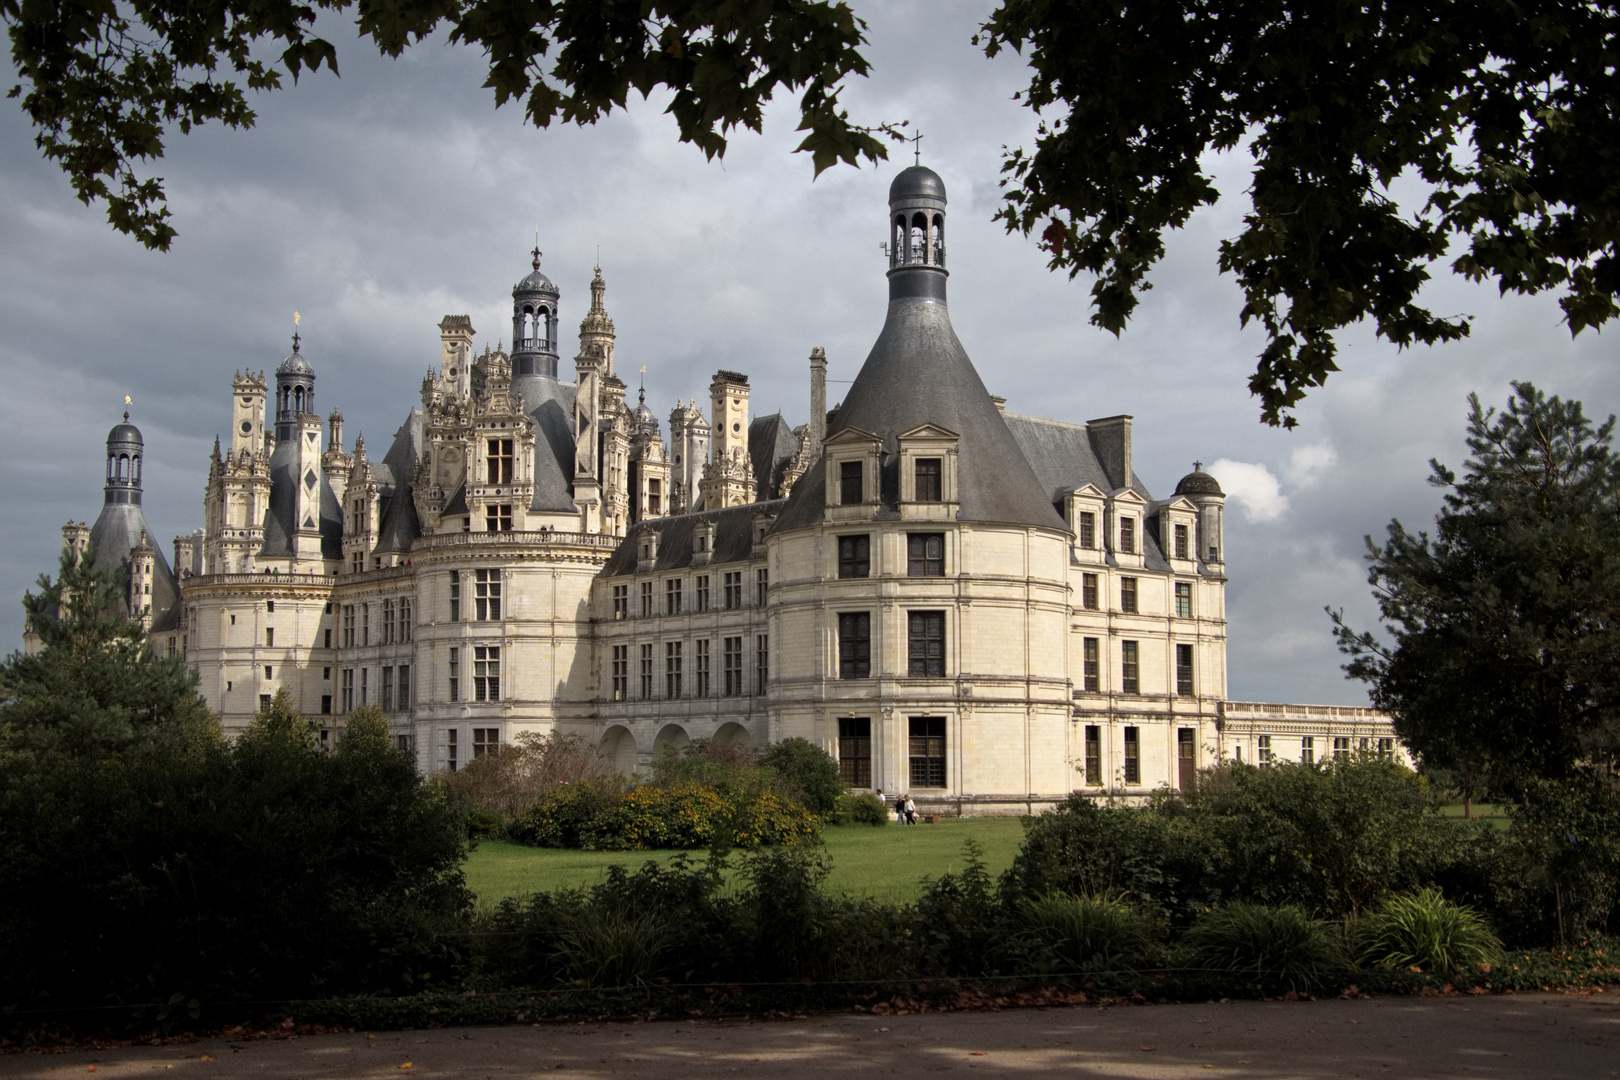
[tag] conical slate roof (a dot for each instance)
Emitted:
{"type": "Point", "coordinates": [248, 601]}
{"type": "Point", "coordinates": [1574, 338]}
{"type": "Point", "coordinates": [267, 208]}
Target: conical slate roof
{"type": "Point", "coordinates": [919, 373]}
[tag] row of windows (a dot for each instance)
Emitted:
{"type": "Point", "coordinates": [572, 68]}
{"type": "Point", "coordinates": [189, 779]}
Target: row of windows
{"type": "Point", "coordinates": [928, 473]}
{"type": "Point", "coordinates": [354, 689]}
{"type": "Point", "coordinates": [925, 555]}
{"type": "Point", "coordinates": [486, 595]}
{"type": "Point", "coordinates": [484, 741]}
{"type": "Point", "coordinates": [1181, 535]}
{"type": "Point", "coordinates": [703, 597]}
{"type": "Point", "coordinates": [705, 681]}
{"type": "Point", "coordinates": [394, 624]}
{"type": "Point", "coordinates": [1384, 748]}
{"type": "Point", "coordinates": [1090, 600]}
{"type": "Point", "coordinates": [925, 746]}
{"type": "Point", "coordinates": [486, 673]}
{"type": "Point", "coordinates": [925, 644]}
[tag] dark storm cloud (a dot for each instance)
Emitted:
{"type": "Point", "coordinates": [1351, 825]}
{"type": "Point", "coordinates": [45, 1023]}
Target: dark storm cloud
{"type": "Point", "coordinates": [378, 202]}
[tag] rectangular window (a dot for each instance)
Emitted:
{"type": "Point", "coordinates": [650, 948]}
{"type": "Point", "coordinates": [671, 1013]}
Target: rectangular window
{"type": "Point", "coordinates": [387, 689]}
{"type": "Point", "coordinates": [621, 672]}
{"type": "Point", "coordinates": [346, 689]}
{"type": "Point", "coordinates": [500, 461]}
{"type": "Point", "coordinates": [655, 497]}
{"type": "Point", "coordinates": [927, 751]}
{"type": "Point", "coordinates": [1088, 529]}
{"type": "Point", "coordinates": [672, 669]}
{"type": "Point", "coordinates": [733, 666]}
{"type": "Point", "coordinates": [450, 749]}
{"type": "Point", "coordinates": [1182, 541]}
{"type": "Point", "coordinates": [1183, 599]}
{"type": "Point", "coordinates": [1088, 591]}
{"type": "Point", "coordinates": [733, 585]}
{"type": "Point", "coordinates": [1127, 535]}
{"type": "Point", "coordinates": [326, 674]}
{"type": "Point", "coordinates": [762, 586]}
{"type": "Point", "coordinates": [854, 556]}
{"type": "Point", "coordinates": [930, 480]}
{"type": "Point", "coordinates": [1129, 668]}
{"type": "Point", "coordinates": [326, 704]}
{"type": "Point", "coordinates": [1133, 755]}
{"type": "Point", "coordinates": [621, 601]}
{"type": "Point", "coordinates": [455, 596]}
{"type": "Point", "coordinates": [269, 672]}
{"type": "Point", "coordinates": [672, 596]}
{"type": "Point", "coordinates": [326, 638]}
{"type": "Point", "coordinates": [404, 687]}
{"type": "Point", "coordinates": [486, 740]}
{"type": "Point", "coordinates": [762, 663]}
{"type": "Point", "coordinates": [1386, 749]}
{"type": "Point", "coordinates": [646, 672]}
{"type": "Point", "coordinates": [498, 518]}
{"type": "Point", "coordinates": [388, 627]}
{"type": "Point", "coordinates": [1186, 759]}
{"type": "Point", "coordinates": [646, 599]}
{"type": "Point", "coordinates": [270, 606]}
{"type": "Point", "coordinates": [1341, 747]}
{"type": "Point", "coordinates": [365, 686]}
{"type": "Point", "coordinates": [405, 620]}
{"type": "Point", "coordinates": [849, 483]}
{"type": "Point", "coordinates": [486, 673]}
{"type": "Point", "coordinates": [402, 743]}
{"type": "Point", "coordinates": [1091, 653]}
{"type": "Point", "coordinates": [855, 751]}
{"type": "Point", "coordinates": [854, 645]}
{"type": "Point", "coordinates": [1127, 595]}
{"type": "Point", "coordinates": [487, 595]}
{"type": "Point", "coordinates": [269, 637]}
{"type": "Point", "coordinates": [264, 702]}
{"type": "Point", "coordinates": [1094, 755]}
{"type": "Point", "coordinates": [348, 626]}
{"type": "Point", "coordinates": [1263, 746]}
{"type": "Point", "coordinates": [1184, 670]}
{"type": "Point", "coordinates": [1307, 750]}
{"type": "Point", "coordinates": [926, 644]}
{"type": "Point", "coordinates": [700, 593]}
{"type": "Point", "coordinates": [701, 667]}
{"type": "Point", "coordinates": [925, 555]}
{"type": "Point", "coordinates": [365, 624]}
{"type": "Point", "coordinates": [455, 674]}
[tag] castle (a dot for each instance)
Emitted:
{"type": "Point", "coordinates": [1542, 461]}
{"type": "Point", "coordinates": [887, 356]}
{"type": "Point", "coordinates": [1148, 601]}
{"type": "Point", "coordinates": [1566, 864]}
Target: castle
{"type": "Point", "coordinates": [987, 610]}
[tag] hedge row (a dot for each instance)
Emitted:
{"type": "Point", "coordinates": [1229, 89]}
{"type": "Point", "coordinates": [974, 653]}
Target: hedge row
{"type": "Point", "coordinates": [596, 818]}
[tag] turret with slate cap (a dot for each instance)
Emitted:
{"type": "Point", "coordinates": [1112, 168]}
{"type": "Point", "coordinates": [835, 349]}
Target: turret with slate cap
{"type": "Point", "coordinates": [534, 324]}
{"type": "Point", "coordinates": [917, 235]}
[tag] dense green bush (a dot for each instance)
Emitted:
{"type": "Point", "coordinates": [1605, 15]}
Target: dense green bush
{"type": "Point", "coordinates": [1065, 935]}
{"type": "Point", "coordinates": [1427, 932]}
{"type": "Point", "coordinates": [1268, 948]}
{"type": "Point", "coordinates": [659, 818]}
{"type": "Point", "coordinates": [1331, 839]}
{"type": "Point", "coordinates": [498, 787]}
{"type": "Point", "coordinates": [859, 809]}
{"type": "Point", "coordinates": [260, 870]}
{"type": "Point", "coordinates": [1558, 874]}
{"type": "Point", "coordinates": [810, 772]}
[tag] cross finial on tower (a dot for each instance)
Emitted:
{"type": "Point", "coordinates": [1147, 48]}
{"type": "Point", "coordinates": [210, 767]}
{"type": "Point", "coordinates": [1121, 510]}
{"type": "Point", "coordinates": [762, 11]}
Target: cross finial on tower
{"type": "Point", "coordinates": [297, 318]}
{"type": "Point", "coordinates": [536, 251]}
{"type": "Point", "coordinates": [916, 146]}
{"type": "Point", "coordinates": [1198, 466]}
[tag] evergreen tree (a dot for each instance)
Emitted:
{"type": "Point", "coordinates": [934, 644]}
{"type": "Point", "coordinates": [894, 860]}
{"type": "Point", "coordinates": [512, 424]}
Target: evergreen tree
{"type": "Point", "coordinates": [96, 688]}
{"type": "Point", "coordinates": [1506, 647]}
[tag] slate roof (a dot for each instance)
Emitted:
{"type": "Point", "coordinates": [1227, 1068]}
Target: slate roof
{"type": "Point", "coordinates": [399, 524]}
{"type": "Point", "coordinates": [1062, 456]}
{"type": "Point", "coordinates": [118, 530]}
{"type": "Point", "coordinates": [917, 373]}
{"type": "Point", "coordinates": [771, 446]}
{"type": "Point", "coordinates": [733, 538]}
{"type": "Point", "coordinates": [279, 525]}
{"type": "Point", "coordinates": [551, 404]}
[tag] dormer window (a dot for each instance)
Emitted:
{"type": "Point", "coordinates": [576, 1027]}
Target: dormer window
{"type": "Point", "coordinates": [500, 461]}
{"type": "Point", "coordinates": [850, 488]}
{"type": "Point", "coordinates": [1127, 536]}
{"type": "Point", "coordinates": [1183, 543]}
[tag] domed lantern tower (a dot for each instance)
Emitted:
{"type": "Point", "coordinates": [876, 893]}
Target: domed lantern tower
{"type": "Point", "coordinates": [534, 324]}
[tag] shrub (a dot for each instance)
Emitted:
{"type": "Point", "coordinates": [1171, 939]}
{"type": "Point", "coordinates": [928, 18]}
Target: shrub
{"type": "Point", "coordinates": [810, 772]}
{"type": "Point", "coordinates": [1559, 879]}
{"type": "Point", "coordinates": [507, 782]}
{"type": "Point", "coordinates": [605, 948]}
{"type": "Point", "coordinates": [862, 809]}
{"type": "Point", "coordinates": [1425, 931]}
{"type": "Point", "coordinates": [660, 818]}
{"type": "Point", "coordinates": [1081, 935]}
{"type": "Point", "coordinates": [1270, 947]}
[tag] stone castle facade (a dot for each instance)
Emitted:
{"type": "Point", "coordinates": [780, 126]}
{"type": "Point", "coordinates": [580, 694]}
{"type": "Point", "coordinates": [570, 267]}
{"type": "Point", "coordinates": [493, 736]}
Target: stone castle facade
{"type": "Point", "coordinates": [987, 610]}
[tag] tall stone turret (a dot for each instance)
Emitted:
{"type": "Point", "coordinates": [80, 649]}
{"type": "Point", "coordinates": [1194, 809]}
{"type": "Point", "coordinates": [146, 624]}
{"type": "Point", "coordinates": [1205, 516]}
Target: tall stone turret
{"type": "Point", "coordinates": [534, 325]}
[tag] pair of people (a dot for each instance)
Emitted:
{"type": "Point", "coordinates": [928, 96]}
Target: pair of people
{"type": "Point", "coordinates": [905, 811]}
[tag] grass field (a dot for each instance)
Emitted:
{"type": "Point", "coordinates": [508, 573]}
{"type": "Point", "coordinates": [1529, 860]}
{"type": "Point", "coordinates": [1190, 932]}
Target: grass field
{"type": "Point", "coordinates": [886, 863]}
{"type": "Point", "coordinates": [1492, 814]}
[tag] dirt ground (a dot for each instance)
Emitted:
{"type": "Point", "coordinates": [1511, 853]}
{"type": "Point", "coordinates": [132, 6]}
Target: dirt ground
{"type": "Point", "coordinates": [1541, 1035]}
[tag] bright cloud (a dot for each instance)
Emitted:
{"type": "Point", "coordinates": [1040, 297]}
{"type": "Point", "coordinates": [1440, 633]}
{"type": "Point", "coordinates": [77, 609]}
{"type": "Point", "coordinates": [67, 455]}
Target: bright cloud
{"type": "Point", "coordinates": [1307, 464]}
{"type": "Point", "coordinates": [1253, 487]}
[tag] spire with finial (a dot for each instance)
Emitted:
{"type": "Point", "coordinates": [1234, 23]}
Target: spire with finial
{"type": "Point", "coordinates": [1198, 466]}
{"type": "Point", "coordinates": [536, 252]}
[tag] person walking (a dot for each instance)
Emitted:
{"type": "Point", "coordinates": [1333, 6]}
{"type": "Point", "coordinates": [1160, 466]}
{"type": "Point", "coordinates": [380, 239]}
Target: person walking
{"type": "Point", "coordinates": [899, 809]}
{"type": "Point", "coordinates": [911, 811]}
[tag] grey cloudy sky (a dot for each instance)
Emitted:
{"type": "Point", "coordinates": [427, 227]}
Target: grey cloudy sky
{"type": "Point", "coordinates": [378, 202]}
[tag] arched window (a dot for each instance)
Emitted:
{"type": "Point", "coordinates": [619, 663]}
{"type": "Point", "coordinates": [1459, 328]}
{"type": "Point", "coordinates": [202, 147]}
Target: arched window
{"type": "Point", "coordinates": [298, 399]}
{"type": "Point", "coordinates": [897, 240]}
{"type": "Point", "coordinates": [937, 241]}
{"type": "Point", "coordinates": [123, 466]}
{"type": "Point", "coordinates": [916, 250]}
{"type": "Point", "coordinates": [135, 468]}
{"type": "Point", "coordinates": [112, 466]}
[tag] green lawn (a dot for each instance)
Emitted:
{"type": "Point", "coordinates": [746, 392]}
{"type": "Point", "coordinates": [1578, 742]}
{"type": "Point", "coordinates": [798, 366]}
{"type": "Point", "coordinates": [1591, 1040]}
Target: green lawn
{"type": "Point", "coordinates": [886, 863]}
{"type": "Point", "coordinates": [1494, 815]}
